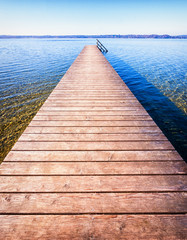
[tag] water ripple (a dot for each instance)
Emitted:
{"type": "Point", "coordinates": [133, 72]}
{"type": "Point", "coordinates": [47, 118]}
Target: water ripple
{"type": "Point", "coordinates": [155, 70]}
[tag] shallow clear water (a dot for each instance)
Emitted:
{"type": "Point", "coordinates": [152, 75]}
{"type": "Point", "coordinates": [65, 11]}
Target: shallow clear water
{"type": "Point", "coordinates": [154, 70]}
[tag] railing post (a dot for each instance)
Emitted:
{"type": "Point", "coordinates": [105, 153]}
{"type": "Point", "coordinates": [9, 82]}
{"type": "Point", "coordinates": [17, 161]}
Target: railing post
{"type": "Point", "coordinates": [101, 47]}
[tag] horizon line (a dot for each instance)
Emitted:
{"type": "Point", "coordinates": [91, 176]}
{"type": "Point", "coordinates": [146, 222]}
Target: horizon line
{"type": "Point", "coordinates": [95, 35]}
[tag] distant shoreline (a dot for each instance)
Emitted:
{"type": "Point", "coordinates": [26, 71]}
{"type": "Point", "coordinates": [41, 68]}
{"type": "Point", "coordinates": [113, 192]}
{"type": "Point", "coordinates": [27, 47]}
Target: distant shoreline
{"type": "Point", "coordinates": [154, 36]}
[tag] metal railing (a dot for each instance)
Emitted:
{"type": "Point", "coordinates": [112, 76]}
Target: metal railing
{"type": "Point", "coordinates": [101, 47]}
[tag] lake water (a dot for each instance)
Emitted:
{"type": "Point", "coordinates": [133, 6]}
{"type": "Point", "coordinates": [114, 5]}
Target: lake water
{"type": "Point", "coordinates": [155, 70]}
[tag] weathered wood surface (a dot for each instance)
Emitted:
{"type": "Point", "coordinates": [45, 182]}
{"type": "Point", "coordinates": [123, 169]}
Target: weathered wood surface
{"type": "Point", "coordinates": [131, 183]}
{"type": "Point", "coordinates": [69, 156]}
{"type": "Point", "coordinates": [97, 227]}
{"type": "Point", "coordinates": [92, 164]}
{"type": "Point", "coordinates": [93, 168]}
{"type": "Point", "coordinates": [93, 203]}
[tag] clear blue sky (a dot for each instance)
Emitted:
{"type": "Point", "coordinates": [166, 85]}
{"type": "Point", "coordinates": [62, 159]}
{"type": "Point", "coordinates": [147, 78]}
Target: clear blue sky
{"type": "Point", "coordinates": [64, 17]}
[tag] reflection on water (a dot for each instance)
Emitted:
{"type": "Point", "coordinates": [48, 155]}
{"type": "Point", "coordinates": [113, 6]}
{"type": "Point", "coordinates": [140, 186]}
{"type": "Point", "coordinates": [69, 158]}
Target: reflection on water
{"type": "Point", "coordinates": [31, 68]}
{"type": "Point", "coordinates": [156, 72]}
{"type": "Point", "coordinates": [161, 62]}
{"type": "Point", "coordinates": [169, 118]}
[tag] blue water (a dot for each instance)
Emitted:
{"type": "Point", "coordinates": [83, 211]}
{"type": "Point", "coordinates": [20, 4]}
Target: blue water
{"type": "Point", "coordinates": [155, 70]}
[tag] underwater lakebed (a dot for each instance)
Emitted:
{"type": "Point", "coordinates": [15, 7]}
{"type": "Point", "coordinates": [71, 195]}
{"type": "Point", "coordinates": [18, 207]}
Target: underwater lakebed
{"type": "Point", "coordinates": [154, 69]}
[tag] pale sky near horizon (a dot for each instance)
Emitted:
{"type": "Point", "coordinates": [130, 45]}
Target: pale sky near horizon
{"type": "Point", "coordinates": [66, 17]}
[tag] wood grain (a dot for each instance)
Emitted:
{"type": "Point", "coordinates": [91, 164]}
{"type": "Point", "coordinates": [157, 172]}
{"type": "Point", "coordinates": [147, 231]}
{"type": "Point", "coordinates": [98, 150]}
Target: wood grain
{"type": "Point", "coordinates": [57, 156]}
{"type": "Point", "coordinates": [93, 183]}
{"type": "Point", "coordinates": [115, 227]}
{"type": "Point", "coordinates": [81, 203]}
{"type": "Point", "coordinates": [92, 168]}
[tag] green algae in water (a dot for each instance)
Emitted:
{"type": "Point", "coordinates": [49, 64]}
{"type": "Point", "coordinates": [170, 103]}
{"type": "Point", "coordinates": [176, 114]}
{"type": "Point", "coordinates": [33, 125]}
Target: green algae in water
{"type": "Point", "coordinates": [15, 119]}
{"type": "Point", "coordinates": [29, 71]}
{"type": "Point", "coordinates": [19, 105]}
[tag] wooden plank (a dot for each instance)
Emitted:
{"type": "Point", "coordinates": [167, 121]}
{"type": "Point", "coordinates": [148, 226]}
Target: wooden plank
{"type": "Point", "coordinates": [91, 102]}
{"type": "Point", "coordinates": [112, 87]}
{"type": "Point", "coordinates": [91, 118]}
{"type": "Point", "coordinates": [97, 92]}
{"type": "Point", "coordinates": [91, 108]}
{"type": "Point", "coordinates": [91, 137]}
{"type": "Point", "coordinates": [105, 183]}
{"type": "Point", "coordinates": [89, 203]}
{"type": "Point", "coordinates": [61, 123]}
{"type": "Point", "coordinates": [77, 129]}
{"type": "Point", "coordinates": [61, 104]}
{"type": "Point", "coordinates": [58, 156]}
{"type": "Point", "coordinates": [92, 168]}
{"type": "Point", "coordinates": [104, 105]}
{"type": "Point", "coordinates": [92, 113]}
{"type": "Point", "coordinates": [103, 146]}
{"type": "Point", "coordinates": [125, 91]}
{"type": "Point", "coordinates": [89, 98]}
{"type": "Point", "coordinates": [89, 86]}
{"type": "Point", "coordinates": [136, 227]}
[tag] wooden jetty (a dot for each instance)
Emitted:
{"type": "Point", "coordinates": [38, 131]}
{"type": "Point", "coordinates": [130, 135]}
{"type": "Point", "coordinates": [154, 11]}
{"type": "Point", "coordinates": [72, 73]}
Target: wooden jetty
{"type": "Point", "coordinates": [92, 164]}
